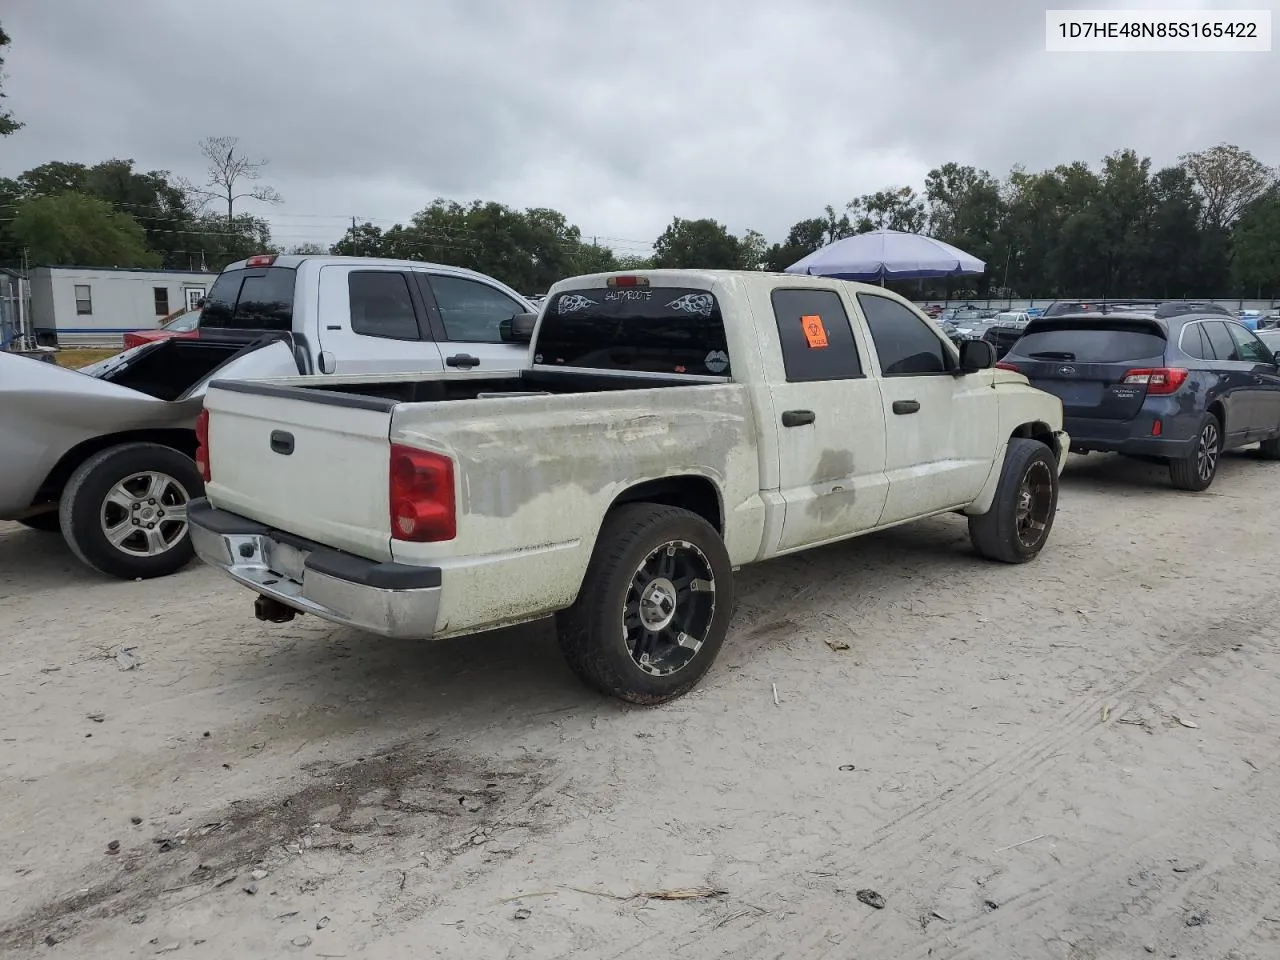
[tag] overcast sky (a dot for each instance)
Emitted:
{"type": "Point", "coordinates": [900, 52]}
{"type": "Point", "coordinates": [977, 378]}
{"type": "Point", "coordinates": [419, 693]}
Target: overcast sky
{"type": "Point", "coordinates": [621, 114]}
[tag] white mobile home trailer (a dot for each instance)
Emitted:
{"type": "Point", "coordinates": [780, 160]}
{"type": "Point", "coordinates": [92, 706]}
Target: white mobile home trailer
{"type": "Point", "coordinates": [96, 306]}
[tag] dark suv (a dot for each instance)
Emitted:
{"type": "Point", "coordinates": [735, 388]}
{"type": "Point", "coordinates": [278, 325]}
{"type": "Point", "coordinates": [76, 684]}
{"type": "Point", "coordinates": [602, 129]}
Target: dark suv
{"type": "Point", "coordinates": [1178, 388]}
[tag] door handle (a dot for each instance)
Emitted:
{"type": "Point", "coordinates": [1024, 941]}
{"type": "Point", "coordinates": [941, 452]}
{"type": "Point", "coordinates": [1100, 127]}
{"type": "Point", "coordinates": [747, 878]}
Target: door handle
{"type": "Point", "coordinates": [282, 442]}
{"type": "Point", "coordinates": [464, 360]}
{"type": "Point", "coordinates": [906, 406]}
{"type": "Point", "coordinates": [797, 418]}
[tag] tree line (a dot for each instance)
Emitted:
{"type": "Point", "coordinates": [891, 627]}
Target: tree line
{"type": "Point", "coordinates": [1206, 226]}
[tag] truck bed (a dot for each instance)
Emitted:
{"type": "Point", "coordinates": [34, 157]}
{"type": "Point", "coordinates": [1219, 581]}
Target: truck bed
{"type": "Point", "coordinates": [534, 474]}
{"type": "Point", "coordinates": [437, 388]}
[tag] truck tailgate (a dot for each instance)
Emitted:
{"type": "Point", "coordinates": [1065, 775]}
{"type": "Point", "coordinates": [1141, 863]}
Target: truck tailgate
{"type": "Point", "coordinates": [311, 463]}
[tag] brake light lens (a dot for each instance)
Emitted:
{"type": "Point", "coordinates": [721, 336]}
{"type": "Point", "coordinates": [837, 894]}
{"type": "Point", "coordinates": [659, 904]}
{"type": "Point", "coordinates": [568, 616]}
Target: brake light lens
{"type": "Point", "coordinates": [1159, 381]}
{"type": "Point", "coordinates": [261, 260]}
{"type": "Point", "coordinates": [1006, 365]}
{"type": "Point", "coordinates": [202, 445]}
{"type": "Point", "coordinates": [421, 497]}
{"type": "Point", "coordinates": [628, 281]}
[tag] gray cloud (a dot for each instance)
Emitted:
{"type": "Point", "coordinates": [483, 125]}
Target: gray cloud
{"type": "Point", "coordinates": [619, 114]}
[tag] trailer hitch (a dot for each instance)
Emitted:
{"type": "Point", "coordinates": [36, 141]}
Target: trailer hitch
{"type": "Point", "coordinates": [272, 610]}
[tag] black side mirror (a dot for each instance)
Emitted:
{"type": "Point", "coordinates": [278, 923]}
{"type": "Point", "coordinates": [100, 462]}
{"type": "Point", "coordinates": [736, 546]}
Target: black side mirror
{"type": "Point", "coordinates": [976, 355]}
{"type": "Point", "coordinates": [518, 329]}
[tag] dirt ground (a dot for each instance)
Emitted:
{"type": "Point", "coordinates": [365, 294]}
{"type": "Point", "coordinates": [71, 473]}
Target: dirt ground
{"type": "Point", "coordinates": [1072, 759]}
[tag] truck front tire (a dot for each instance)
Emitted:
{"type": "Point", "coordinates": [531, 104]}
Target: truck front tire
{"type": "Point", "coordinates": [654, 607]}
{"type": "Point", "coordinates": [1017, 526]}
{"type": "Point", "coordinates": [124, 510]}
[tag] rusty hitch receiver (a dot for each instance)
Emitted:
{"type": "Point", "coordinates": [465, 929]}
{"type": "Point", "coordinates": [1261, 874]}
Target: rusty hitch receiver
{"type": "Point", "coordinates": [272, 611]}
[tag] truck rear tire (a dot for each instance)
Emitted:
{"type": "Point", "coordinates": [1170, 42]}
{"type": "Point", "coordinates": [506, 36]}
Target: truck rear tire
{"type": "Point", "coordinates": [1017, 526]}
{"type": "Point", "coordinates": [654, 607]}
{"type": "Point", "coordinates": [124, 510]}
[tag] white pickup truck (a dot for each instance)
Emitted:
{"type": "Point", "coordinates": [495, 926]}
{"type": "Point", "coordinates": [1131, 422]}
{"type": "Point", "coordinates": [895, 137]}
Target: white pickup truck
{"type": "Point", "coordinates": [671, 426]}
{"type": "Point", "coordinates": [103, 455]}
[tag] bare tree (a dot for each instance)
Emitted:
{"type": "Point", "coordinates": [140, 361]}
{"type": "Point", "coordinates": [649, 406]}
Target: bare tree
{"type": "Point", "coordinates": [1230, 179]}
{"type": "Point", "coordinates": [229, 172]}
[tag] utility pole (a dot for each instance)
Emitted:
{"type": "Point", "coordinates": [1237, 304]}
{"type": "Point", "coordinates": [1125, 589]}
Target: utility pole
{"type": "Point", "coordinates": [26, 334]}
{"type": "Point", "coordinates": [1008, 257]}
{"type": "Point", "coordinates": [354, 241]}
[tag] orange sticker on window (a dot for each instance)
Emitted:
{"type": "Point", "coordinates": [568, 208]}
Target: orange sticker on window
{"type": "Point", "coordinates": [814, 332]}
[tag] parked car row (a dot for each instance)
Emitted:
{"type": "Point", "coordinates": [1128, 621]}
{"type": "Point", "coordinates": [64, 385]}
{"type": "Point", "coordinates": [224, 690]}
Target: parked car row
{"type": "Point", "coordinates": [418, 451]}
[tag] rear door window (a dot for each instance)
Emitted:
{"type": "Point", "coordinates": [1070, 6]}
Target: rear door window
{"type": "Point", "coordinates": [1090, 344]}
{"type": "Point", "coordinates": [258, 299]}
{"type": "Point", "coordinates": [1224, 347]}
{"type": "Point", "coordinates": [381, 305]}
{"type": "Point", "coordinates": [817, 340]}
{"type": "Point", "coordinates": [637, 329]}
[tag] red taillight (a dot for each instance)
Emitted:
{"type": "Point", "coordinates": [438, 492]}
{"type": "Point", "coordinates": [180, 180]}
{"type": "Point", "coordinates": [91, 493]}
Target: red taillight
{"type": "Point", "coordinates": [628, 281]}
{"type": "Point", "coordinates": [1157, 380]}
{"type": "Point", "coordinates": [423, 508]}
{"type": "Point", "coordinates": [1006, 365]}
{"type": "Point", "coordinates": [202, 445]}
{"type": "Point", "coordinates": [261, 260]}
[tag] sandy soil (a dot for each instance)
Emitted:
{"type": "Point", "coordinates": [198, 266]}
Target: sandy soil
{"type": "Point", "coordinates": [1073, 759]}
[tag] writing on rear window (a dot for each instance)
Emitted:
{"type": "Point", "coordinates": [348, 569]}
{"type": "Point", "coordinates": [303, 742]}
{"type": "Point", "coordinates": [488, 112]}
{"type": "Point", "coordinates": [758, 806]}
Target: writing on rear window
{"type": "Point", "coordinates": [628, 295]}
{"type": "Point", "coordinates": [650, 330]}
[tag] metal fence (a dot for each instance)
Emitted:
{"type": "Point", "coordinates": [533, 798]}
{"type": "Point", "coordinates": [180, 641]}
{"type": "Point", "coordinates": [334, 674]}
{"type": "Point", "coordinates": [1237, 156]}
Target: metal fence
{"type": "Point", "coordinates": [1263, 306]}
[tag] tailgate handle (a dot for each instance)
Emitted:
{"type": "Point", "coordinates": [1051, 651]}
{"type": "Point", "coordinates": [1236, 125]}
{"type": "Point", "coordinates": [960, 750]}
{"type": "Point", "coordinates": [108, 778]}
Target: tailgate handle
{"type": "Point", "coordinates": [797, 418]}
{"type": "Point", "coordinates": [464, 360]}
{"type": "Point", "coordinates": [282, 442]}
{"type": "Point", "coordinates": [906, 406]}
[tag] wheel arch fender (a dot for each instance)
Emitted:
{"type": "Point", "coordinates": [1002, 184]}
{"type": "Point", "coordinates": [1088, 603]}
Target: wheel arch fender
{"type": "Point", "coordinates": [694, 492]}
{"type": "Point", "coordinates": [180, 439]}
{"type": "Point", "coordinates": [1030, 430]}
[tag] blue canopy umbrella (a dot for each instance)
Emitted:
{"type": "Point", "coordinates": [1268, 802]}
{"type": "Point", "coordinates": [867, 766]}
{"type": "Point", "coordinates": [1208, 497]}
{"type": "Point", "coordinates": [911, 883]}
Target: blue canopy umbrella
{"type": "Point", "coordinates": [888, 255]}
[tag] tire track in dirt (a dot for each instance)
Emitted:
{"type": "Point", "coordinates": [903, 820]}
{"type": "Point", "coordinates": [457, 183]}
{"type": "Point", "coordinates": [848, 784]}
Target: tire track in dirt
{"type": "Point", "coordinates": [1165, 902]}
{"type": "Point", "coordinates": [441, 799]}
{"type": "Point", "coordinates": [1194, 659]}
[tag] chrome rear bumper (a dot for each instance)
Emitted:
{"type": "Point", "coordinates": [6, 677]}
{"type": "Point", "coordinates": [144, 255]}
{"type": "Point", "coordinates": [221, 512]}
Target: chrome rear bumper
{"type": "Point", "coordinates": [389, 599]}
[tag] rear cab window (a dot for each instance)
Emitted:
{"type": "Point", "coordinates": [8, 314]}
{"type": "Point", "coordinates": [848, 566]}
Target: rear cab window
{"type": "Point", "coordinates": [1090, 341]}
{"type": "Point", "coordinates": [258, 299]}
{"type": "Point", "coordinates": [635, 329]}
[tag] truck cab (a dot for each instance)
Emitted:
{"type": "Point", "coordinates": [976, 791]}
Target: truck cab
{"type": "Point", "coordinates": [354, 315]}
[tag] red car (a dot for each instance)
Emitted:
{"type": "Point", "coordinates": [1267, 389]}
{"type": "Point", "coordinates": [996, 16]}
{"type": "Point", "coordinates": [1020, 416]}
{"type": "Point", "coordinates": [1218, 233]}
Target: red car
{"type": "Point", "coordinates": [186, 325]}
